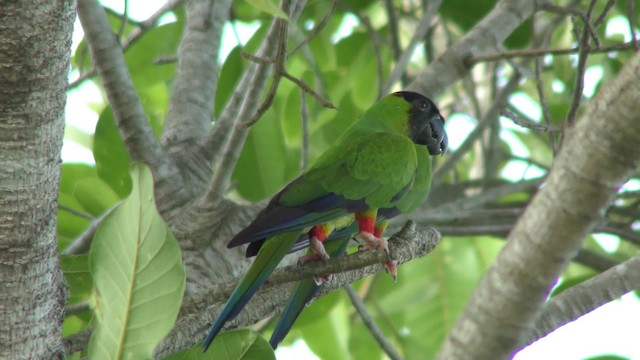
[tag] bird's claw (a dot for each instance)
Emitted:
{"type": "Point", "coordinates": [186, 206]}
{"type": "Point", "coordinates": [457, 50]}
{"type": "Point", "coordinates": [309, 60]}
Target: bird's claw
{"type": "Point", "coordinates": [370, 241]}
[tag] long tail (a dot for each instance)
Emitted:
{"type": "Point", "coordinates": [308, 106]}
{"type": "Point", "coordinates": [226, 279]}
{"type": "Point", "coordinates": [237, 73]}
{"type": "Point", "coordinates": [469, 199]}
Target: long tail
{"type": "Point", "coordinates": [273, 250]}
{"type": "Point", "coordinates": [303, 294]}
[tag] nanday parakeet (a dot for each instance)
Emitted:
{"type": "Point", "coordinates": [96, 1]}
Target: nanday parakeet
{"type": "Point", "coordinates": [373, 165]}
{"type": "Point", "coordinates": [337, 243]}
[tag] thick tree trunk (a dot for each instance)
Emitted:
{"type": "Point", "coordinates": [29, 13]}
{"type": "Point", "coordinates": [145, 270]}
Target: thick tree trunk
{"type": "Point", "coordinates": [35, 40]}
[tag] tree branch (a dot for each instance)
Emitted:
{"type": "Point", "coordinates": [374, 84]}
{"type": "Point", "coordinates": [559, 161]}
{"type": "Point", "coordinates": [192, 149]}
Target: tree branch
{"type": "Point", "coordinates": [599, 153]}
{"type": "Point", "coordinates": [130, 118]}
{"type": "Point", "coordinates": [487, 35]}
{"type": "Point", "coordinates": [133, 37]}
{"type": "Point", "coordinates": [200, 310]}
{"type": "Point", "coordinates": [587, 296]}
{"type": "Point", "coordinates": [194, 87]}
{"type": "Point", "coordinates": [418, 36]}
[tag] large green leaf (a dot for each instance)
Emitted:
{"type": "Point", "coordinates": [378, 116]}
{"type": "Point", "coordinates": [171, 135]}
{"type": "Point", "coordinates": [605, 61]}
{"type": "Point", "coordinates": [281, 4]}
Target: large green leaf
{"type": "Point", "coordinates": [242, 344]}
{"type": "Point", "coordinates": [332, 327]}
{"type": "Point", "coordinates": [137, 270]}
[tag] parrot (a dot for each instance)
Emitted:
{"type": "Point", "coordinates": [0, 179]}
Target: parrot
{"type": "Point", "coordinates": [337, 243]}
{"type": "Point", "coordinates": [373, 165]}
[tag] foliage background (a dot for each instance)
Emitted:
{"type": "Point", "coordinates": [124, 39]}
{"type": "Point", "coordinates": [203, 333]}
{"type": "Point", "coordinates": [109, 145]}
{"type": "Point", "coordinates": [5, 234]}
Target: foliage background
{"type": "Point", "coordinates": [479, 189]}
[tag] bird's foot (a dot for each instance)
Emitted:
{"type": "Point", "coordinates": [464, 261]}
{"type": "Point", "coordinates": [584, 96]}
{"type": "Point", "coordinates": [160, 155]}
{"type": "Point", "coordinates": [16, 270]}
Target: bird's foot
{"type": "Point", "coordinates": [319, 254]}
{"type": "Point", "coordinates": [370, 241]}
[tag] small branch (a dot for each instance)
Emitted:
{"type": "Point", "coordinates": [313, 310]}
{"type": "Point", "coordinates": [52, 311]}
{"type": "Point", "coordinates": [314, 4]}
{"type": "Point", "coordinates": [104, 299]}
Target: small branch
{"type": "Point", "coordinates": [543, 102]}
{"type": "Point", "coordinates": [603, 14]}
{"type": "Point", "coordinates": [529, 124]}
{"type": "Point", "coordinates": [228, 134]}
{"type": "Point", "coordinates": [371, 324]}
{"type": "Point", "coordinates": [416, 39]}
{"type": "Point", "coordinates": [541, 52]}
{"type": "Point", "coordinates": [258, 59]}
{"type": "Point", "coordinates": [75, 212]}
{"type": "Point", "coordinates": [82, 243]}
{"type": "Point", "coordinates": [582, 66]}
{"type": "Point", "coordinates": [77, 308]}
{"type": "Point", "coordinates": [134, 36]}
{"type": "Point", "coordinates": [130, 117]}
{"type": "Point", "coordinates": [125, 19]}
{"type": "Point", "coordinates": [305, 88]}
{"type": "Point", "coordinates": [316, 30]}
{"type": "Point", "coordinates": [278, 69]}
{"type": "Point", "coordinates": [587, 296]}
{"type": "Point", "coordinates": [194, 86]}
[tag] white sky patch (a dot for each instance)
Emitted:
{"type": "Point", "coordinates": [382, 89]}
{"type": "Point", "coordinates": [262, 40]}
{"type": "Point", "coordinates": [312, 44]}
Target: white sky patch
{"type": "Point", "coordinates": [592, 77]}
{"type": "Point", "coordinates": [296, 351]}
{"type": "Point", "coordinates": [527, 105]}
{"type": "Point", "coordinates": [631, 185]}
{"type": "Point", "coordinates": [608, 242]}
{"type": "Point", "coordinates": [610, 329]}
{"type": "Point", "coordinates": [618, 25]}
{"type": "Point", "coordinates": [557, 86]}
{"type": "Point", "coordinates": [458, 126]}
{"type": "Point", "coordinates": [349, 22]}
{"type": "Point", "coordinates": [230, 37]}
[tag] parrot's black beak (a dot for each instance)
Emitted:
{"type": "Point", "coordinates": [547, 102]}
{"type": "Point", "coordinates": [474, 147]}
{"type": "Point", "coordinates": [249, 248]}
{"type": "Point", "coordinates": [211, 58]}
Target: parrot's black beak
{"type": "Point", "coordinates": [439, 147]}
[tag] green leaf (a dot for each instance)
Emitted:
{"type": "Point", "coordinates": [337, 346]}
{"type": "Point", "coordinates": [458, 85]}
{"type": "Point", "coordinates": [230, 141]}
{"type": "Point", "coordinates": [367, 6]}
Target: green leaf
{"type": "Point", "coordinates": [76, 272]}
{"type": "Point", "coordinates": [242, 344]}
{"type": "Point", "coordinates": [95, 195]}
{"type": "Point", "coordinates": [137, 270]}
{"type": "Point", "coordinates": [269, 7]}
{"type": "Point", "coordinates": [112, 159]}
{"type": "Point", "coordinates": [262, 167]}
{"type": "Point", "coordinates": [332, 327]}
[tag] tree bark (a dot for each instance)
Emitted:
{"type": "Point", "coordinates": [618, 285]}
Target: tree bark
{"type": "Point", "coordinates": [599, 154]}
{"type": "Point", "coordinates": [35, 42]}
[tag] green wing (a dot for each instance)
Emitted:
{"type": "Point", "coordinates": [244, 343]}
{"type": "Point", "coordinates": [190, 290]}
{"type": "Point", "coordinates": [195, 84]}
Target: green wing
{"type": "Point", "coordinates": [373, 167]}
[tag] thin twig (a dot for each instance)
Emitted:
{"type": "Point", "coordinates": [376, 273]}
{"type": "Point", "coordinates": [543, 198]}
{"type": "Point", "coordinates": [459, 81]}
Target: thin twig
{"type": "Point", "coordinates": [543, 102]}
{"type": "Point", "coordinates": [541, 52]}
{"type": "Point", "coordinates": [304, 87]}
{"type": "Point", "coordinates": [416, 39]}
{"type": "Point", "coordinates": [371, 324]}
{"type": "Point", "coordinates": [258, 59]}
{"type": "Point", "coordinates": [393, 31]}
{"type": "Point", "coordinates": [603, 14]}
{"type": "Point", "coordinates": [316, 30]}
{"type": "Point", "coordinates": [77, 308]}
{"type": "Point", "coordinates": [75, 212]}
{"type": "Point", "coordinates": [125, 19]}
{"type": "Point", "coordinates": [304, 116]}
{"type": "Point", "coordinates": [582, 66]}
{"type": "Point", "coordinates": [529, 124]}
{"type": "Point", "coordinates": [278, 69]}
{"type": "Point", "coordinates": [82, 243]}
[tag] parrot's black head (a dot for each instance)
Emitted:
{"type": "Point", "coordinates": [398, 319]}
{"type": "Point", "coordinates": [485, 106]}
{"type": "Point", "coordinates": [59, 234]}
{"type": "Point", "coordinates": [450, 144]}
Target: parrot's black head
{"type": "Point", "coordinates": [426, 125]}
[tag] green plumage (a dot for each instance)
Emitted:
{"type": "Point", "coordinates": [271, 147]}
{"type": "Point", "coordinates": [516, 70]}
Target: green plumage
{"type": "Point", "coordinates": [374, 164]}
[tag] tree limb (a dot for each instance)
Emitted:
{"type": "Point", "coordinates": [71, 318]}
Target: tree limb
{"type": "Point", "coordinates": [130, 117]}
{"type": "Point", "coordinates": [200, 310]}
{"type": "Point", "coordinates": [599, 153]}
{"type": "Point", "coordinates": [487, 35]}
{"type": "Point", "coordinates": [194, 87]}
{"type": "Point", "coordinates": [587, 296]}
